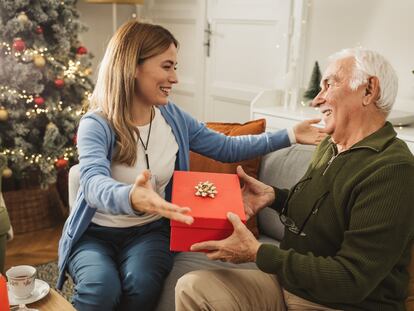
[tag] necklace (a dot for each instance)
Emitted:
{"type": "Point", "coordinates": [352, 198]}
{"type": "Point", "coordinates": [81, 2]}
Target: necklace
{"type": "Point", "coordinates": [145, 146]}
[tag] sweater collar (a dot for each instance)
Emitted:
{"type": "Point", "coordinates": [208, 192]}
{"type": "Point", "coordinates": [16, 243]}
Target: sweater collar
{"type": "Point", "coordinates": [377, 141]}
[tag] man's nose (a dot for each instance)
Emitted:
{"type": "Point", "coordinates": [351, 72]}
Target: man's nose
{"type": "Point", "coordinates": [318, 100]}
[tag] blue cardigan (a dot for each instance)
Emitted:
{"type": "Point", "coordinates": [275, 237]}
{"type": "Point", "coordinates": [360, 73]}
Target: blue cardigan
{"type": "Point", "coordinates": [99, 191]}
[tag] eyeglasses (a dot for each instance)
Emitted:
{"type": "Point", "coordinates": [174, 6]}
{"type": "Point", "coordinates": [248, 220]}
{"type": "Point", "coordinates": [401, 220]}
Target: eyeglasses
{"type": "Point", "coordinates": [288, 222]}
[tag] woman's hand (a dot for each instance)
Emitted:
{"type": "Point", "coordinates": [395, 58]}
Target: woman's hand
{"type": "Point", "coordinates": [308, 134]}
{"type": "Point", "coordinates": [144, 199]}
{"type": "Point", "coordinates": [256, 195]}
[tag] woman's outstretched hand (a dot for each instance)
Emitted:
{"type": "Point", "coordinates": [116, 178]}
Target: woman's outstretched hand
{"type": "Point", "coordinates": [145, 199]}
{"type": "Point", "coordinates": [308, 134]}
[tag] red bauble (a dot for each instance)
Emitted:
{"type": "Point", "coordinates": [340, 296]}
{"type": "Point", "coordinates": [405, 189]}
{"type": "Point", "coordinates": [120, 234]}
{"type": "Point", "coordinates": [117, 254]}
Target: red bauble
{"type": "Point", "coordinates": [39, 30]}
{"type": "Point", "coordinates": [81, 50]}
{"type": "Point", "coordinates": [59, 83]}
{"type": "Point", "coordinates": [61, 163]}
{"type": "Point", "coordinates": [19, 45]}
{"type": "Point", "coordinates": [39, 100]}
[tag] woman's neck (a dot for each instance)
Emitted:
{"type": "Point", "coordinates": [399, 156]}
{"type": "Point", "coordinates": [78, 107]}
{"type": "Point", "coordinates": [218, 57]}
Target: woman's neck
{"type": "Point", "coordinates": [142, 115]}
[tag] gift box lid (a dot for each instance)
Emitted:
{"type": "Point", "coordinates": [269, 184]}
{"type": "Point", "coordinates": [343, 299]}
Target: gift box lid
{"type": "Point", "coordinates": [208, 212]}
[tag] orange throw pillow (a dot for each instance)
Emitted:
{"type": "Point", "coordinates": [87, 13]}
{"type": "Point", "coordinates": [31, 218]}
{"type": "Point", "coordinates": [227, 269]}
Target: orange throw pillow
{"type": "Point", "coordinates": [201, 163]}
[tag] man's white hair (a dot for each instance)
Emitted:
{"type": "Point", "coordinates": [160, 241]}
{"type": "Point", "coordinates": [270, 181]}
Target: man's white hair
{"type": "Point", "coordinates": [367, 64]}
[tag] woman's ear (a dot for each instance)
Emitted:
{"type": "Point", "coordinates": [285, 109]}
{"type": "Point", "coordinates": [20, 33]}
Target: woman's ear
{"type": "Point", "coordinates": [372, 91]}
{"type": "Point", "coordinates": [136, 72]}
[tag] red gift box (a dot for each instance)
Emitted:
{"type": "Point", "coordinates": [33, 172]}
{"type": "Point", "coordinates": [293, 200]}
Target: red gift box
{"type": "Point", "coordinates": [210, 214]}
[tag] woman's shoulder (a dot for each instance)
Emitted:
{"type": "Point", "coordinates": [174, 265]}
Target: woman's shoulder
{"type": "Point", "coordinates": [95, 116]}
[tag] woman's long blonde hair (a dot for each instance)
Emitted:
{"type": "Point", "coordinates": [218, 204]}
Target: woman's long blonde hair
{"type": "Point", "coordinates": [131, 45]}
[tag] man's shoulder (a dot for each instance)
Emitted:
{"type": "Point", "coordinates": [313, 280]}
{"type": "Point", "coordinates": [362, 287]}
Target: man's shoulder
{"type": "Point", "coordinates": [397, 151]}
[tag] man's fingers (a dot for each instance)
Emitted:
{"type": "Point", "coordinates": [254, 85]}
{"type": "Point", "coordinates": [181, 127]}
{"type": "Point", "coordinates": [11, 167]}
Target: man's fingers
{"type": "Point", "coordinates": [235, 220]}
{"type": "Point", "coordinates": [205, 246]}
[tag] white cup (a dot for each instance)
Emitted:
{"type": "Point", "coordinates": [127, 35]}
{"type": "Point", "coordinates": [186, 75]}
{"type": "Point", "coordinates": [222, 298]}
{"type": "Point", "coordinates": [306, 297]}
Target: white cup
{"type": "Point", "coordinates": [21, 280]}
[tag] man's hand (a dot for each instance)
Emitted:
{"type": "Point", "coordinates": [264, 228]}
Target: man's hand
{"type": "Point", "coordinates": [256, 195]}
{"type": "Point", "coordinates": [145, 199]}
{"type": "Point", "coordinates": [308, 134]}
{"type": "Point", "coordinates": [240, 247]}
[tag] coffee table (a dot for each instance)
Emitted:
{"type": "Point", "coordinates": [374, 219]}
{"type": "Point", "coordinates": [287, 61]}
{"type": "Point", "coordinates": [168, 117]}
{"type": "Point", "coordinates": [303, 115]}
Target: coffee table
{"type": "Point", "coordinates": [52, 302]}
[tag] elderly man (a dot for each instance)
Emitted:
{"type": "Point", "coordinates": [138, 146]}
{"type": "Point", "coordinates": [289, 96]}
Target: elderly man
{"type": "Point", "coordinates": [348, 221]}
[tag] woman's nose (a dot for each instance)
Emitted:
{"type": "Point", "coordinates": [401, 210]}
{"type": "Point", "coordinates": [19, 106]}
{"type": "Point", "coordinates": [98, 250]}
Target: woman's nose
{"type": "Point", "coordinates": [173, 77]}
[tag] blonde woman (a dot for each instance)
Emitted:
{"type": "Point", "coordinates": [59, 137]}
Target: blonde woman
{"type": "Point", "coordinates": [115, 243]}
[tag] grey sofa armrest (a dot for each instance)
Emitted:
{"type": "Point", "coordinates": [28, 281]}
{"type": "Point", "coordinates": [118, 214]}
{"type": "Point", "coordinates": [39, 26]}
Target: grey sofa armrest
{"type": "Point", "coordinates": [282, 169]}
{"type": "Point", "coordinates": [73, 185]}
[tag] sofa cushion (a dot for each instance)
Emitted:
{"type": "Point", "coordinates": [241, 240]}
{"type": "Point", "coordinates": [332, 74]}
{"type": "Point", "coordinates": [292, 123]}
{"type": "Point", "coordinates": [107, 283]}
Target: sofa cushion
{"type": "Point", "coordinates": [201, 163]}
{"type": "Point", "coordinates": [282, 169]}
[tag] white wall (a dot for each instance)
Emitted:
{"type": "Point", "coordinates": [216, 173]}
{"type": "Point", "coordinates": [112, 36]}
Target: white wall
{"type": "Point", "coordinates": [386, 26]}
{"type": "Point", "coordinates": [98, 17]}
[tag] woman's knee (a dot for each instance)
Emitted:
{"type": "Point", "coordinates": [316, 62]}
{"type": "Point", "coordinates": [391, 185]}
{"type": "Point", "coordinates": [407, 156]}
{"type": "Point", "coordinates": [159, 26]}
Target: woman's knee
{"type": "Point", "coordinates": [97, 295]}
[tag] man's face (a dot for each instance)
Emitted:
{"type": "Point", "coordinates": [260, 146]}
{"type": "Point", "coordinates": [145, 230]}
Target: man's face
{"type": "Point", "coordinates": [339, 105]}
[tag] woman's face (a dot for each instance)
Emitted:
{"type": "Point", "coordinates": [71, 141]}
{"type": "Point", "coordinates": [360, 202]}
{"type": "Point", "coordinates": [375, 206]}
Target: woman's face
{"type": "Point", "coordinates": [155, 78]}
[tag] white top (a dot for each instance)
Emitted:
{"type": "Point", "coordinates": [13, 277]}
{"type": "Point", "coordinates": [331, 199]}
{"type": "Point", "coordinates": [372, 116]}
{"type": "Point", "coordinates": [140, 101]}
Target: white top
{"type": "Point", "coordinates": [162, 151]}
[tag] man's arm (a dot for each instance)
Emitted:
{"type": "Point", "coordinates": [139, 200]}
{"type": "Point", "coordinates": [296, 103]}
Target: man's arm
{"type": "Point", "coordinates": [380, 232]}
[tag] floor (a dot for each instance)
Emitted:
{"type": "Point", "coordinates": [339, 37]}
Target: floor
{"type": "Point", "coordinates": [33, 248]}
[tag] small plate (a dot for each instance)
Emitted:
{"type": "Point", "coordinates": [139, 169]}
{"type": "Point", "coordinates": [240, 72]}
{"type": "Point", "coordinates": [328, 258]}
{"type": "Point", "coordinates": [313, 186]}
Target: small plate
{"type": "Point", "coordinates": [41, 290]}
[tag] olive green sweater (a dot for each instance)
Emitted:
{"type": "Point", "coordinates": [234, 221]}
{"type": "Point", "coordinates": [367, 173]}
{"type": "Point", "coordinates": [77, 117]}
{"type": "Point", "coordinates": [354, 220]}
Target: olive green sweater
{"type": "Point", "coordinates": [360, 230]}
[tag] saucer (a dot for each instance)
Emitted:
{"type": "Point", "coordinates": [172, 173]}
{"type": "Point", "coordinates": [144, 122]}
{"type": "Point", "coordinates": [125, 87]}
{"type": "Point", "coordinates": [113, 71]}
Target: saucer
{"type": "Point", "coordinates": [41, 290]}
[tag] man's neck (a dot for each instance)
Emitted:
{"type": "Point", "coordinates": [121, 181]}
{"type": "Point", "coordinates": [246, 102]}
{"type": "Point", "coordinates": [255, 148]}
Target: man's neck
{"type": "Point", "coordinates": [358, 134]}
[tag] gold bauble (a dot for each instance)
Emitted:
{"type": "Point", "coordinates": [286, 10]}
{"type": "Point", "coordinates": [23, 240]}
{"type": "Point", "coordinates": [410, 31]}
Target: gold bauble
{"type": "Point", "coordinates": [22, 18]}
{"type": "Point", "coordinates": [51, 125]}
{"type": "Point", "coordinates": [4, 114]}
{"type": "Point", "coordinates": [39, 61]}
{"type": "Point", "coordinates": [7, 173]}
{"type": "Point", "coordinates": [88, 71]}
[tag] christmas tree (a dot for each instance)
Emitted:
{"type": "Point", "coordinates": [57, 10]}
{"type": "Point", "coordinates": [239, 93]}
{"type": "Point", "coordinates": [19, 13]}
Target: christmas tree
{"type": "Point", "coordinates": [314, 83]}
{"type": "Point", "coordinates": [44, 82]}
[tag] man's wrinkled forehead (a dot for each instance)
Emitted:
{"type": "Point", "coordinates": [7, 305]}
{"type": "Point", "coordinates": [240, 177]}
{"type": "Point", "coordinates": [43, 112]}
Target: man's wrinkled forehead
{"type": "Point", "coordinates": [339, 69]}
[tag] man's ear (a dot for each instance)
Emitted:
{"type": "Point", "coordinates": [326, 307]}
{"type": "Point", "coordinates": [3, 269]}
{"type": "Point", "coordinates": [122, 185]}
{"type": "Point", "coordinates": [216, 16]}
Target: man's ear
{"type": "Point", "coordinates": [372, 91]}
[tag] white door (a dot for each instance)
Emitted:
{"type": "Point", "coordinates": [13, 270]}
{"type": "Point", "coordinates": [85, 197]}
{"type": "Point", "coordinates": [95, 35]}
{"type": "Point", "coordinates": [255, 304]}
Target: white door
{"type": "Point", "coordinates": [249, 45]}
{"type": "Point", "coordinates": [185, 19]}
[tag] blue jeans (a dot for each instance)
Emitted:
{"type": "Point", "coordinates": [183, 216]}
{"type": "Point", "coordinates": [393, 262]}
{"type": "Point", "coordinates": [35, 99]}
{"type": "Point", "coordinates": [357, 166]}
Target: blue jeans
{"type": "Point", "coordinates": [120, 268]}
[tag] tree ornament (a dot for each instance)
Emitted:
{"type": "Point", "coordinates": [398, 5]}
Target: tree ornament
{"type": "Point", "coordinates": [39, 30]}
{"type": "Point", "coordinates": [88, 71]}
{"type": "Point", "coordinates": [18, 44]}
{"type": "Point", "coordinates": [4, 114]}
{"type": "Point", "coordinates": [39, 61]}
{"type": "Point", "coordinates": [61, 163]}
{"type": "Point", "coordinates": [39, 100]}
{"type": "Point", "coordinates": [22, 18]}
{"type": "Point", "coordinates": [59, 83]}
{"type": "Point", "coordinates": [51, 125]}
{"type": "Point", "coordinates": [81, 50]}
{"type": "Point", "coordinates": [314, 83]}
{"type": "Point", "coordinates": [7, 173]}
